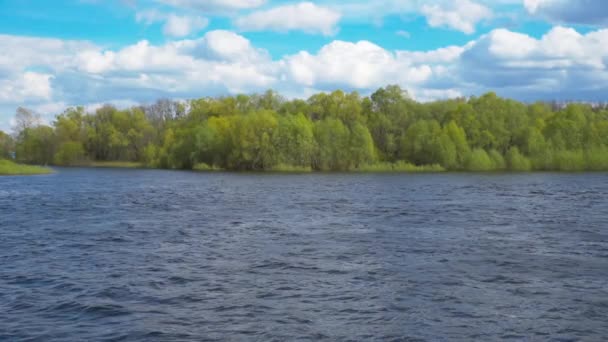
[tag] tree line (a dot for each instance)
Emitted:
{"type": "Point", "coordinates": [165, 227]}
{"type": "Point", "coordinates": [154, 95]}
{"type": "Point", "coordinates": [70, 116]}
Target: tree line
{"type": "Point", "coordinates": [336, 131]}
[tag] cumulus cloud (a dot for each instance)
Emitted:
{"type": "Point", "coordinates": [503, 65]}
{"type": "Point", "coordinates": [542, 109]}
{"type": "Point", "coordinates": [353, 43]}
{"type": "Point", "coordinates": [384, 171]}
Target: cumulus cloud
{"type": "Point", "coordinates": [220, 61]}
{"type": "Point", "coordinates": [22, 52]}
{"type": "Point", "coordinates": [48, 73]}
{"type": "Point", "coordinates": [29, 86]}
{"type": "Point", "coordinates": [304, 16]}
{"type": "Point", "coordinates": [361, 65]}
{"type": "Point", "coordinates": [221, 45]}
{"type": "Point", "coordinates": [461, 15]}
{"type": "Point", "coordinates": [562, 63]}
{"type": "Point", "coordinates": [591, 12]}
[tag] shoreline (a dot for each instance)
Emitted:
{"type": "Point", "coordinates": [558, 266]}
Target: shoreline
{"type": "Point", "coordinates": [9, 168]}
{"type": "Point", "coordinates": [140, 166]}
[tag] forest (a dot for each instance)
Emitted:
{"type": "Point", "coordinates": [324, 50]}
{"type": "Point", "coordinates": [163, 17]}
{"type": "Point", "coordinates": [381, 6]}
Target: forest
{"type": "Point", "coordinates": [338, 131]}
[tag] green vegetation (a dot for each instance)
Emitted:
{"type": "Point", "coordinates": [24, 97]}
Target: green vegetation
{"type": "Point", "coordinates": [205, 167]}
{"type": "Point", "coordinates": [8, 168]}
{"type": "Point", "coordinates": [291, 168]}
{"type": "Point", "coordinates": [400, 166]}
{"type": "Point", "coordinates": [116, 164]}
{"type": "Point", "coordinates": [385, 132]}
{"type": "Point", "coordinates": [6, 145]}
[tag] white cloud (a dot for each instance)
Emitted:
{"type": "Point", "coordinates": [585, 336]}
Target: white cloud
{"type": "Point", "coordinates": [361, 65]}
{"type": "Point", "coordinates": [223, 45]}
{"type": "Point", "coordinates": [220, 61]}
{"type": "Point", "coordinates": [122, 103]}
{"type": "Point", "coordinates": [561, 64]}
{"type": "Point", "coordinates": [20, 52]}
{"type": "Point", "coordinates": [442, 55]}
{"type": "Point", "coordinates": [304, 16]}
{"type": "Point", "coordinates": [181, 26]}
{"type": "Point", "coordinates": [150, 16]}
{"type": "Point", "coordinates": [532, 5]}
{"type": "Point", "coordinates": [461, 15]}
{"type": "Point", "coordinates": [426, 95]}
{"type": "Point", "coordinates": [175, 26]}
{"type": "Point", "coordinates": [46, 74]}
{"type": "Point", "coordinates": [590, 12]}
{"type": "Point", "coordinates": [28, 86]}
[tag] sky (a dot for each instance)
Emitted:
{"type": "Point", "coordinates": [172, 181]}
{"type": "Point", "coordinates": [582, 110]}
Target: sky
{"type": "Point", "coordinates": [61, 53]}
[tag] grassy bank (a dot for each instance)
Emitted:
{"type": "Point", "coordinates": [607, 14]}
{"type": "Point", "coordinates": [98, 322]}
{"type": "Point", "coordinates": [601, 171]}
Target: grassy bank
{"type": "Point", "coordinates": [8, 168]}
{"type": "Point", "coordinates": [400, 167]}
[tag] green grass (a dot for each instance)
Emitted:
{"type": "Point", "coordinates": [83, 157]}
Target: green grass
{"type": "Point", "coordinates": [400, 167]}
{"type": "Point", "coordinates": [8, 168]}
{"type": "Point", "coordinates": [117, 164]}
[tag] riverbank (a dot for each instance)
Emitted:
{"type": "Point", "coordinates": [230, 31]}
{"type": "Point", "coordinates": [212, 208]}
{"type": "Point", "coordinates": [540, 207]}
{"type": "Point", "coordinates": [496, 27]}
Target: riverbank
{"type": "Point", "coordinates": [399, 167]}
{"type": "Point", "coordinates": [380, 167]}
{"type": "Point", "coordinates": [116, 164]}
{"type": "Point", "coordinates": [8, 168]}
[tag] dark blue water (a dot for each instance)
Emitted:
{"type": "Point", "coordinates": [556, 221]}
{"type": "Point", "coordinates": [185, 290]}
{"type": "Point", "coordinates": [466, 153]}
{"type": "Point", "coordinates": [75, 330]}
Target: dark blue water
{"type": "Point", "coordinates": [140, 255]}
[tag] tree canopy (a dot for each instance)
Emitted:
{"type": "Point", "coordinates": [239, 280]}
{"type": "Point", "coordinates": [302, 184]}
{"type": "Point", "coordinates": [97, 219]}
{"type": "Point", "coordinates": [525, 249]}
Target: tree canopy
{"type": "Point", "coordinates": [334, 131]}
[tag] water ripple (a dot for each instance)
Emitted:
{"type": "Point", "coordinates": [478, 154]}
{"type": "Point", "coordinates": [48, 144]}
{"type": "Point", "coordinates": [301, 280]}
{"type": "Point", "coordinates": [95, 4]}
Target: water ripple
{"type": "Point", "coordinates": [147, 255]}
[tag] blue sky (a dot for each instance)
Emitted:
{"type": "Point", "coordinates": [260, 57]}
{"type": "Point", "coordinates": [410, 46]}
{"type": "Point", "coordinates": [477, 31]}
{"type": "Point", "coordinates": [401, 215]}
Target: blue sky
{"type": "Point", "coordinates": [63, 53]}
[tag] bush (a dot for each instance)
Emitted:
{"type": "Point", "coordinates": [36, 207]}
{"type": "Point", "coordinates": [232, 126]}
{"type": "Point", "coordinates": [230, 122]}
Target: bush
{"type": "Point", "coordinates": [479, 160]}
{"type": "Point", "coordinates": [597, 159]}
{"type": "Point", "coordinates": [517, 161]}
{"type": "Point", "coordinates": [569, 161]}
{"type": "Point", "coordinates": [205, 167]}
{"type": "Point", "coordinates": [498, 161]}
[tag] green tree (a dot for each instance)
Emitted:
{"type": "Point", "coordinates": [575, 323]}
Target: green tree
{"type": "Point", "coordinates": [69, 153]}
{"type": "Point", "coordinates": [295, 140]}
{"type": "Point", "coordinates": [361, 146]}
{"type": "Point", "coordinates": [36, 145]}
{"type": "Point", "coordinates": [333, 139]}
{"type": "Point", "coordinates": [479, 160]}
{"type": "Point", "coordinates": [517, 161]}
{"type": "Point", "coordinates": [6, 145]}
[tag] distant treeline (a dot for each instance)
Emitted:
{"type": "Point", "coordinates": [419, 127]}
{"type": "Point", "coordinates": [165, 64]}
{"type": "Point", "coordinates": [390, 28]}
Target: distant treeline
{"type": "Point", "coordinates": [334, 132]}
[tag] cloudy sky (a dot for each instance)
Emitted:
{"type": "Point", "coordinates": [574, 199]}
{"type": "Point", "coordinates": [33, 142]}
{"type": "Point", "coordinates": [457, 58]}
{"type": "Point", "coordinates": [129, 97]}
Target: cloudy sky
{"type": "Point", "coordinates": [60, 53]}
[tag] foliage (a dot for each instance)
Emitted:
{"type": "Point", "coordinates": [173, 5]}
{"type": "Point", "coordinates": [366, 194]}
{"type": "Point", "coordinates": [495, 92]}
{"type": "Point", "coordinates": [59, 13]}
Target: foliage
{"type": "Point", "coordinates": [337, 131]}
{"type": "Point", "coordinates": [517, 161]}
{"type": "Point", "coordinates": [205, 167]}
{"type": "Point", "coordinates": [69, 153]}
{"type": "Point", "coordinates": [116, 164]}
{"type": "Point", "coordinates": [291, 168]}
{"type": "Point", "coordinates": [400, 166]}
{"type": "Point", "coordinates": [6, 145]}
{"type": "Point", "coordinates": [479, 160]}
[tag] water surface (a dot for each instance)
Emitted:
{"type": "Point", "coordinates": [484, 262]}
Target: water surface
{"type": "Point", "coordinates": [148, 255]}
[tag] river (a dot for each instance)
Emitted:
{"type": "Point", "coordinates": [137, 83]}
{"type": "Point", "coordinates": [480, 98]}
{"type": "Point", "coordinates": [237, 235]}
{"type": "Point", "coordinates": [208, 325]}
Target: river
{"type": "Point", "coordinates": [151, 255]}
